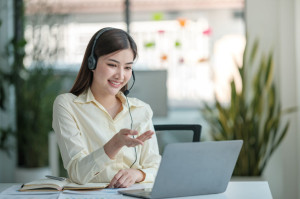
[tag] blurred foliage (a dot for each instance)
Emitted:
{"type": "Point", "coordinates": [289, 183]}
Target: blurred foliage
{"type": "Point", "coordinates": [35, 90]}
{"type": "Point", "coordinates": [39, 88]}
{"type": "Point", "coordinates": [158, 16]}
{"type": "Point", "coordinates": [253, 115]}
{"type": "Point", "coordinates": [177, 44]}
{"type": "Point", "coordinates": [149, 44]}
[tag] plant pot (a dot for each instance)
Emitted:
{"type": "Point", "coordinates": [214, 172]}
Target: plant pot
{"type": "Point", "coordinates": [23, 175]}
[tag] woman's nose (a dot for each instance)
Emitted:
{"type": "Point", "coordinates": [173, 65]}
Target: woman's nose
{"type": "Point", "coordinates": [120, 72]}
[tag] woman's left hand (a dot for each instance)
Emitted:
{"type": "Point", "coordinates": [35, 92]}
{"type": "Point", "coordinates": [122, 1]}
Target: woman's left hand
{"type": "Point", "coordinates": [125, 178]}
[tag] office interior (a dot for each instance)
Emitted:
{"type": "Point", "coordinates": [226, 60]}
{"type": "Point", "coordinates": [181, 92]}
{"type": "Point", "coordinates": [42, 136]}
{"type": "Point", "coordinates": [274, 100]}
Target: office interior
{"type": "Point", "coordinates": [176, 78]}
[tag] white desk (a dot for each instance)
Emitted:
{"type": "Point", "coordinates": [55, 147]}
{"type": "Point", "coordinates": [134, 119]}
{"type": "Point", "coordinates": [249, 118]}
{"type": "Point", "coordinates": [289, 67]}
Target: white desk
{"type": "Point", "coordinates": [235, 190]}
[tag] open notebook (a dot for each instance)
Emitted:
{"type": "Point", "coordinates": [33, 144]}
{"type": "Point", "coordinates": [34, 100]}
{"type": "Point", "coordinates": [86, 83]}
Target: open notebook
{"type": "Point", "coordinates": [56, 185]}
{"type": "Point", "coordinates": [195, 168]}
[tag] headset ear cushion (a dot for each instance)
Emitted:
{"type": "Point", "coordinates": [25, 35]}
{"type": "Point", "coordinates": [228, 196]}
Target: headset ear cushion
{"type": "Point", "coordinates": [91, 63]}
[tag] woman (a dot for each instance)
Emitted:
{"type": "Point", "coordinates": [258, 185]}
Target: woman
{"type": "Point", "coordinates": [104, 136]}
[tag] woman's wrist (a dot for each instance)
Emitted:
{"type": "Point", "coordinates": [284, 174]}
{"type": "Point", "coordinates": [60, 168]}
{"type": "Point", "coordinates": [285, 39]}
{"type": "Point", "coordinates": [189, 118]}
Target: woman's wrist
{"type": "Point", "coordinates": [142, 175]}
{"type": "Point", "coordinates": [112, 147]}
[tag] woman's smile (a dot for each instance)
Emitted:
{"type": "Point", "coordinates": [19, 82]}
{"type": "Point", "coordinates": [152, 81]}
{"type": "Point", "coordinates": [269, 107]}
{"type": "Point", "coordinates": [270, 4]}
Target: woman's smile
{"type": "Point", "coordinates": [115, 84]}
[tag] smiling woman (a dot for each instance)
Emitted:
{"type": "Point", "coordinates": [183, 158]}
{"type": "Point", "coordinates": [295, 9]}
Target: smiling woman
{"type": "Point", "coordinates": [96, 120]}
{"type": "Point", "coordinates": [112, 73]}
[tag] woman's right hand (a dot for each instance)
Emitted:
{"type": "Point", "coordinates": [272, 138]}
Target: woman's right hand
{"type": "Point", "coordinates": [125, 138]}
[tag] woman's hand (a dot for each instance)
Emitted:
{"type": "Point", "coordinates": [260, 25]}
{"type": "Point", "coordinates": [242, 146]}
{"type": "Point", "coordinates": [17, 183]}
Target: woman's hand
{"type": "Point", "coordinates": [125, 178]}
{"type": "Point", "coordinates": [125, 138]}
{"type": "Point", "coordinates": [145, 136]}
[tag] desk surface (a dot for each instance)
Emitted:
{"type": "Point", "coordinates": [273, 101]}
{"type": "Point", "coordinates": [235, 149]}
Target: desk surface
{"type": "Point", "coordinates": [235, 190]}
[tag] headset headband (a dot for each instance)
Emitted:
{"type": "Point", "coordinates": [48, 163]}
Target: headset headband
{"type": "Point", "coordinates": [92, 62]}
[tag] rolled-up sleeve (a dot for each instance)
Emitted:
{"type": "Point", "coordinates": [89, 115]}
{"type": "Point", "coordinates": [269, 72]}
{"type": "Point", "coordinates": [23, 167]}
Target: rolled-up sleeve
{"type": "Point", "coordinates": [81, 165]}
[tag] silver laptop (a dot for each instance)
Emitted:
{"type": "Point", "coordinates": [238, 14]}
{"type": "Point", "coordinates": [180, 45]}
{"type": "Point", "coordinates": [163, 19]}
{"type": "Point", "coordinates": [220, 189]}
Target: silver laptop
{"type": "Point", "coordinates": [195, 168]}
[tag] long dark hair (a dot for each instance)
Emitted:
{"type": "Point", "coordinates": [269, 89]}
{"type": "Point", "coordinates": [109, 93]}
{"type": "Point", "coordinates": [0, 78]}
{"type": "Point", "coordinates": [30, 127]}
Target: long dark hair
{"type": "Point", "coordinates": [110, 41]}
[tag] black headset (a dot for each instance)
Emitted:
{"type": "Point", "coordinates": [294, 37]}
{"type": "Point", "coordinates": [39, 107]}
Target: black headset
{"type": "Point", "coordinates": [92, 61]}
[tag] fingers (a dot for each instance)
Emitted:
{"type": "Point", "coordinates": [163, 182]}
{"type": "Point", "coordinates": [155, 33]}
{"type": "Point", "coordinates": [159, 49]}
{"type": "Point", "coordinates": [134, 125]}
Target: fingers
{"type": "Point", "coordinates": [132, 142]}
{"type": "Point", "coordinates": [125, 137]}
{"type": "Point", "coordinates": [114, 180]}
{"type": "Point", "coordinates": [123, 179]}
{"type": "Point", "coordinates": [145, 136]}
{"type": "Point", "coordinates": [142, 138]}
{"type": "Point", "coordinates": [129, 141]}
{"type": "Point", "coordinates": [128, 132]}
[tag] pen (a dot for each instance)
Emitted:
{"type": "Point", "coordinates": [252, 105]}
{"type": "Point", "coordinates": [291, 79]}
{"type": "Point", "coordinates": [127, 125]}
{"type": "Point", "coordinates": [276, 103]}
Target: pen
{"type": "Point", "coordinates": [55, 178]}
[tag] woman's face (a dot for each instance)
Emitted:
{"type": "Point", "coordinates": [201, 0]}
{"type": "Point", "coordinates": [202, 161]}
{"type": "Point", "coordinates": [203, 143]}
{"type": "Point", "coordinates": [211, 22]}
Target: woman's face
{"type": "Point", "coordinates": [113, 71]}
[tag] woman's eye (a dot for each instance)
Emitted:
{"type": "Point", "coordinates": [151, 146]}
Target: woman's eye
{"type": "Point", "coordinates": [128, 68]}
{"type": "Point", "coordinates": [112, 65]}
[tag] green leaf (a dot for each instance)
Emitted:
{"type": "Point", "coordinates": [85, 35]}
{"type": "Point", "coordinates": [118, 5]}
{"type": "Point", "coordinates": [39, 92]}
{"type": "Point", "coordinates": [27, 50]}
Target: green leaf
{"type": "Point", "coordinates": [177, 44]}
{"type": "Point", "coordinates": [158, 16]}
{"type": "Point", "coordinates": [253, 53]}
{"type": "Point", "coordinates": [150, 44]}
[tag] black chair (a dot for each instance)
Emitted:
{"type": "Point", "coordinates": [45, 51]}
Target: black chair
{"type": "Point", "coordinates": [173, 133]}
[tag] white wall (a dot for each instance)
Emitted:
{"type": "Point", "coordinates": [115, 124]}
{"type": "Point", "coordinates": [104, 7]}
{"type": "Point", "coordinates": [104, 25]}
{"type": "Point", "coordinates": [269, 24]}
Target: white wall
{"type": "Point", "coordinates": [297, 43]}
{"type": "Point", "coordinates": [273, 22]}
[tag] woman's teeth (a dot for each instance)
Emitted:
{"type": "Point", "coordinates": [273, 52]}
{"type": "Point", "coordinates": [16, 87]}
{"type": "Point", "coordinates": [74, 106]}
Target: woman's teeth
{"type": "Point", "coordinates": [115, 83]}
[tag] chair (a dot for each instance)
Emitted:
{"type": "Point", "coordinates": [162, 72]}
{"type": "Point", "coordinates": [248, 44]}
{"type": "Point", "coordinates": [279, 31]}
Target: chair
{"type": "Point", "coordinates": [172, 133]}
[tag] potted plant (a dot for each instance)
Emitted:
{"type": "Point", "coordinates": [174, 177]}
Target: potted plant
{"type": "Point", "coordinates": [254, 114]}
{"type": "Point", "coordinates": [38, 90]}
{"type": "Point", "coordinates": [35, 90]}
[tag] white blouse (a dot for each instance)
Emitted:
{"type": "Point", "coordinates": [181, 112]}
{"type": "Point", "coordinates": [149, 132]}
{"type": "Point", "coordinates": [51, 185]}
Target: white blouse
{"type": "Point", "coordinates": [83, 126]}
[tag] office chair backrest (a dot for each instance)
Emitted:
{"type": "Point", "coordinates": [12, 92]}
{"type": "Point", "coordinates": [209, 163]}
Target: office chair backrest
{"type": "Point", "coordinates": [173, 133]}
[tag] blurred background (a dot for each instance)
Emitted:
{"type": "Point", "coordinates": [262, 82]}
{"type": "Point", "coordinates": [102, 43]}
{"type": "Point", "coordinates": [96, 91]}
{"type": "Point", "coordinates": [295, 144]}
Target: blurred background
{"type": "Point", "coordinates": [189, 53]}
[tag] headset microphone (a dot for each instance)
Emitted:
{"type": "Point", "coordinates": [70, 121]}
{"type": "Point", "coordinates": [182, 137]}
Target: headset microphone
{"type": "Point", "coordinates": [126, 92]}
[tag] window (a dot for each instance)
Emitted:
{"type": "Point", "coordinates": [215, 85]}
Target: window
{"type": "Point", "coordinates": [196, 41]}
